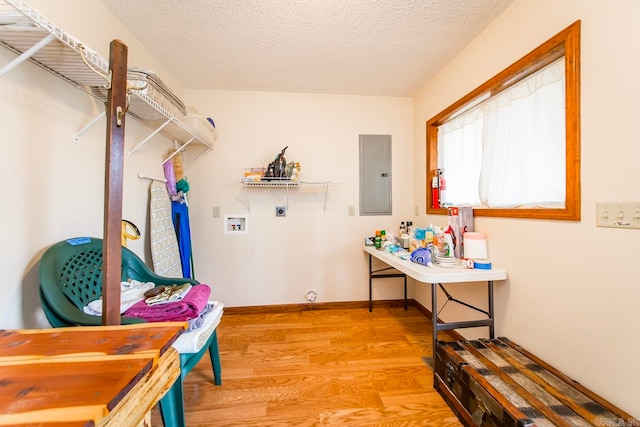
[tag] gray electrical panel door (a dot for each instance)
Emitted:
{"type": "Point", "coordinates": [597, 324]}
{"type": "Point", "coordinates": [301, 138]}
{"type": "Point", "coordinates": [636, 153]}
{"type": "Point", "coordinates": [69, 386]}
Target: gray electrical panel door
{"type": "Point", "coordinates": [375, 174]}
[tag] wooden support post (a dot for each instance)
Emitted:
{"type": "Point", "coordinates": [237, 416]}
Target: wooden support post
{"type": "Point", "coordinates": [114, 167]}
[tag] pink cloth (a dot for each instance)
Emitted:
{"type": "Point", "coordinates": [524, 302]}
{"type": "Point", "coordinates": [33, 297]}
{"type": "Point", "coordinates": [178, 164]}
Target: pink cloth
{"type": "Point", "coordinates": [187, 308]}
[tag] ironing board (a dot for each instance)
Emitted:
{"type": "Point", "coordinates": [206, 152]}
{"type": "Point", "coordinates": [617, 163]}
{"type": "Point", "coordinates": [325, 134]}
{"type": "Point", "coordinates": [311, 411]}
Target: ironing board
{"type": "Point", "coordinates": [164, 245]}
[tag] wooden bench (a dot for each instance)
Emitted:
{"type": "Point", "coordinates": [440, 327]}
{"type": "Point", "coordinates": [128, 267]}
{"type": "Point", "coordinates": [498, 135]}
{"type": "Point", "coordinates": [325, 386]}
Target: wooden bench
{"type": "Point", "coordinates": [495, 382]}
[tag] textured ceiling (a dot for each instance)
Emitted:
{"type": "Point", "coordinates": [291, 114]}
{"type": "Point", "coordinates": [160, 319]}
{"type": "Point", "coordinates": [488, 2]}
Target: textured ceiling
{"type": "Point", "coordinates": [361, 47]}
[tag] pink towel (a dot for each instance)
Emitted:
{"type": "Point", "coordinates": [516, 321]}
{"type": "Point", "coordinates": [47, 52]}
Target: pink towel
{"type": "Point", "coordinates": [188, 308]}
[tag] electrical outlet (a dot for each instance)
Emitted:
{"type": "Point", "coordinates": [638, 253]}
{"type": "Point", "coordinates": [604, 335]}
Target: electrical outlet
{"type": "Point", "coordinates": [311, 295]}
{"type": "Point", "coordinates": [618, 214]}
{"type": "Point", "coordinates": [416, 210]}
{"type": "Point", "coordinates": [351, 210]}
{"type": "Point", "coordinates": [281, 211]}
{"type": "Point", "coordinates": [216, 211]}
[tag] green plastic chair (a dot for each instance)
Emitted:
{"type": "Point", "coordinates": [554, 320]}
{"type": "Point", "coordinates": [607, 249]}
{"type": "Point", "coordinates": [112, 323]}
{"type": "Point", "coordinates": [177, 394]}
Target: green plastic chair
{"type": "Point", "coordinates": [71, 277]}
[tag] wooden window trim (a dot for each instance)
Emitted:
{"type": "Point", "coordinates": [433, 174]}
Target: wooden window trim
{"type": "Point", "coordinates": [567, 44]}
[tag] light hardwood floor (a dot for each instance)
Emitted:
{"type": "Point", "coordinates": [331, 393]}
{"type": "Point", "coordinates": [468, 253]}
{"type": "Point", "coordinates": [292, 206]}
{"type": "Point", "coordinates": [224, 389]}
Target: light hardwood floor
{"type": "Point", "coordinates": [329, 367]}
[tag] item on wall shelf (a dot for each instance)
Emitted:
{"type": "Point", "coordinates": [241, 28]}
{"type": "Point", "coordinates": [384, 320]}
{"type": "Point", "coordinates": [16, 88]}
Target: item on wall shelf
{"type": "Point", "coordinates": [293, 171]}
{"type": "Point", "coordinates": [202, 126]}
{"type": "Point", "coordinates": [146, 80]}
{"type": "Point", "coordinates": [253, 174]}
{"type": "Point", "coordinates": [278, 170]}
{"type": "Point", "coordinates": [277, 167]}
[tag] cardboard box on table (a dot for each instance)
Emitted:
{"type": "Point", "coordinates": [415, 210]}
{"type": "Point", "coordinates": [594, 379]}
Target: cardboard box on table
{"type": "Point", "coordinates": [461, 220]}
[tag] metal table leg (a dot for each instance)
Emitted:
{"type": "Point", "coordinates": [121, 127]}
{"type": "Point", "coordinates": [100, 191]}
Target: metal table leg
{"type": "Point", "coordinates": [490, 296]}
{"type": "Point", "coordinates": [445, 326]}
{"type": "Point", "coordinates": [370, 282]}
{"type": "Point", "coordinates": [434, 321]}
{"type": "Point", "coordinates": [379, 274]}
{"type": "Point", "coordinates": [405, 292]}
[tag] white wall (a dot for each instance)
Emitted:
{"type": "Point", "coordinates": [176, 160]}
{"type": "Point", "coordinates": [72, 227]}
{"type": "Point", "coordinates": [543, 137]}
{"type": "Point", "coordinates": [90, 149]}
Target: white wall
{"type": "Point", "coordinates": [282, 258]}
{"type": "Point", "coordinates": [53, 186]}
{"type": "Point", "coordinates": [573, 289]}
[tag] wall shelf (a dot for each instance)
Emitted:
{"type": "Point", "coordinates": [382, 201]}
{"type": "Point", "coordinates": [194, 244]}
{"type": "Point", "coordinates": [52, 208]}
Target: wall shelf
{"type": "Point", "coordinates": [301, 186]}
{"type": "Point", "coordinates": [32, 37]}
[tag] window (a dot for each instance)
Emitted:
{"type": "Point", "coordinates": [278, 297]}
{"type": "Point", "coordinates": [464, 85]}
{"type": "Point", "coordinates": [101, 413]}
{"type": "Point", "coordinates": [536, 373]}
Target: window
{"type": "Point", "coordinates": [511, 147]}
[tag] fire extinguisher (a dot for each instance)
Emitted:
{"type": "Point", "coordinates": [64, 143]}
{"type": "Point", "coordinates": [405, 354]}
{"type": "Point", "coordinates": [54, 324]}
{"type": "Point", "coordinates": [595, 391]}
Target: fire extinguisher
{"type": "Point", "coordinates": [443, 188]}
{"type": "Point", "coordinates": [435, 191]}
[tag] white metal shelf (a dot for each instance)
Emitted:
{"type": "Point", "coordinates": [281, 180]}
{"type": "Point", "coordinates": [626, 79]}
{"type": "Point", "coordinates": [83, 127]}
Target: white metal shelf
{"type": "Point", "coordinates": [286, 184]}
{"type": "Point", "coordinates": [32, 37]}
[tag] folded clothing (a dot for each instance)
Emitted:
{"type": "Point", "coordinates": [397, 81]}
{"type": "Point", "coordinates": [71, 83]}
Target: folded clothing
{"type": "Point", "coordinates": [169, 294]}
{"type": "Point", "coordinates": [198, 321]}
{"type": "Point", "coordinates": [193, 341]}
{"type": "Point", "coordinates": [188, 308]}
{"type": "Point", "coordinates": [130, 293]}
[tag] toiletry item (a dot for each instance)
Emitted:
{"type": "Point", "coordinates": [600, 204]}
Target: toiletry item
{"type": "Point", "coordinates": [403, 241]}
{"type": "Point", "coordinates": [378, 241]}
{"type": "Point", "coordinates": [452, 242]}
{"type": "Point", "coordinates": [438, 240]}
{"type": "Point", "coordinates": [448, 245]}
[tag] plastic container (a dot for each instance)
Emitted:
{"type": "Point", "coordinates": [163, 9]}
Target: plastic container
{"type": "Point", "coordinates": [474, 245]}
{"type": "Point", "coordinates": [200, 126]}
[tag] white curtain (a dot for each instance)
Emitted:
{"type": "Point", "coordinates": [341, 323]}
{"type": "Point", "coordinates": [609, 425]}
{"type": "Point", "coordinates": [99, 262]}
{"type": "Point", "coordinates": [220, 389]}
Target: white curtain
{"type": "Point", "coordinates": [460, 155]}
{"type": "Point", "coordinates": [510, 150]}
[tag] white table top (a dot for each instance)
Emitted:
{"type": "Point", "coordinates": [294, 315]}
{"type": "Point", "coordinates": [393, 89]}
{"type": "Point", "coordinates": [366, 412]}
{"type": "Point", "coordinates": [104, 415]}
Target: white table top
{"type": "Point", "coordinates": [436, 274]}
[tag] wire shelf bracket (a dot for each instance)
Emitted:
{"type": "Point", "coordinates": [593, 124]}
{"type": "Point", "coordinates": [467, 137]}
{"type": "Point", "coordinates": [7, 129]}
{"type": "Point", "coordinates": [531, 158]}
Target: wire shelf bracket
{"type": "Point", "coordinates": [286, 184]}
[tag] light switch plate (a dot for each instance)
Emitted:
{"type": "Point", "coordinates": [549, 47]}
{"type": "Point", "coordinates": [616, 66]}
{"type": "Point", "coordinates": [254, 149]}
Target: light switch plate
{"type": "Point", "coordinates": [618, 214]}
